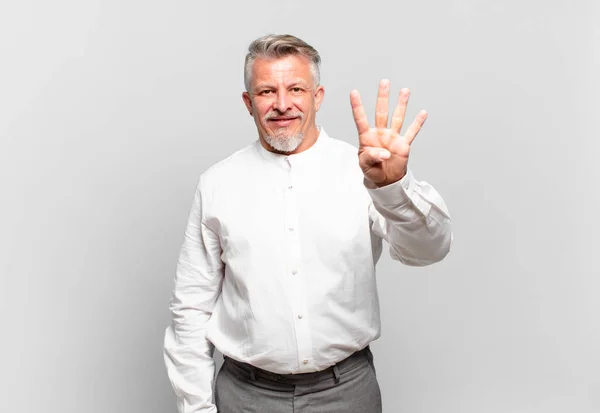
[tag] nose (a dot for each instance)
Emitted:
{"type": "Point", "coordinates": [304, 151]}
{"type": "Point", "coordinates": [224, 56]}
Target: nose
{"type": "Point", "coordinates": [283, 102]}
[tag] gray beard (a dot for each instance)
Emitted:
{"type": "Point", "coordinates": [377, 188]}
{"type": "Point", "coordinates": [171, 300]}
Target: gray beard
{"type": "Point", "coordinates": [282, 143]}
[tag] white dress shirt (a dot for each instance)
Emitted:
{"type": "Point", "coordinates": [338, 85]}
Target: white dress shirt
{"type": "Point", "coordinates": [277, 268]}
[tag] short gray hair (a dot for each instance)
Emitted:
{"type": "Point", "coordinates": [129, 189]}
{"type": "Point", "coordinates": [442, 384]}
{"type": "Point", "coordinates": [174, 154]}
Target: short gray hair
{"type": "Point", "coordinates": [274, 46]}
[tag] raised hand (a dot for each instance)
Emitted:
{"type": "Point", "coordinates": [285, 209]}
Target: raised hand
{"type": "Point", "coordinates": [383, 152]}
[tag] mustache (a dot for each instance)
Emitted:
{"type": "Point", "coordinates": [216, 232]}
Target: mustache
{"type": "Point", "coordinates": [274, 115]}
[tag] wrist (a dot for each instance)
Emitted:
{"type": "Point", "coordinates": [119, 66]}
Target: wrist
{"type": "Point", "coordinates": [387, 182]}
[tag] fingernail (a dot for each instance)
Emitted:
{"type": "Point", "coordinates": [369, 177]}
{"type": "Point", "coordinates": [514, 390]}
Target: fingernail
{"type": "Point", "coordinates": [384, 154]}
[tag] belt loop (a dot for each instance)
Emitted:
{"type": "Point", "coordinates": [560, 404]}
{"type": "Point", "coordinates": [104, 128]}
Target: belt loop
{"type": "Point", "coordinates": [336, 373]}
{"type": "Point", "coordinates": [252, 373]}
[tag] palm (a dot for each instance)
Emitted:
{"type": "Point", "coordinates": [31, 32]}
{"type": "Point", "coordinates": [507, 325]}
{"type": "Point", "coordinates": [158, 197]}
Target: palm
{"type": "Point", "coordinates": [395, 165]}
{"type": "Point", "coordinates": [383, 152]}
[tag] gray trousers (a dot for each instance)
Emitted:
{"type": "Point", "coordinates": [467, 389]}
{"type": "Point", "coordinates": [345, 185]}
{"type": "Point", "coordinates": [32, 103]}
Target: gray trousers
{"type": "Point", "coordinates": [348, 387]}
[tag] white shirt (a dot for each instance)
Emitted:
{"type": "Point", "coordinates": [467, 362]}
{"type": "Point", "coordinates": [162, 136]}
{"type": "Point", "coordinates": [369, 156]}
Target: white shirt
{"type": "Point", "coordinates": [277, 268]}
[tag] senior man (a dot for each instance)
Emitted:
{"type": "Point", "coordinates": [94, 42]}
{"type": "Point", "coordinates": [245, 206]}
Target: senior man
{"type": "Point", "coordinates": [277, 267]}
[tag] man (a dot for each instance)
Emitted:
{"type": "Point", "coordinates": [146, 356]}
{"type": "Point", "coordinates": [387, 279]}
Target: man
{"type": "Point", "coordinates": [277, 269]}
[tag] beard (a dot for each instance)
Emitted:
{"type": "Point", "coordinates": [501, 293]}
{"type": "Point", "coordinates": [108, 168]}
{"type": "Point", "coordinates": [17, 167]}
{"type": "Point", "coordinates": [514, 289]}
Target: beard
{"type": "Point", "coordinates": [280, 140]}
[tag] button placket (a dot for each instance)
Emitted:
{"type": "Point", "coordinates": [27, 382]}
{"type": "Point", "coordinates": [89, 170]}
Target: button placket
{"type": "Point", "coordinates": [291, 223]}
{"type": "Point", "coordinates": [295, 281]}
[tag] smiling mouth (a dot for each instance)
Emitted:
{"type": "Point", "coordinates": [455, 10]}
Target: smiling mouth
{"type": "Point", "coordinates": [282, 122]}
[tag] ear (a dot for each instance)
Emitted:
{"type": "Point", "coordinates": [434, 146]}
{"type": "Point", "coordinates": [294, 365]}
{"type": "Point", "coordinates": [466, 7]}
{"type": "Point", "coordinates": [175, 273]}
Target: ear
{"type": "Point", "coordinates": [247, 101]}
{"type": "Point", "coordinates": [319, 94]}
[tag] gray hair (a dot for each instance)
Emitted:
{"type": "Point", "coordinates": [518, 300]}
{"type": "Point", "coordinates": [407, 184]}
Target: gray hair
{"type": "Point", "coordinates": [277, 46]}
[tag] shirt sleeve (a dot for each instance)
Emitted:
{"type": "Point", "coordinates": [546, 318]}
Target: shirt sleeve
{"type": "Point", "coordinates": [413, 218]}
{"type": "Point", "coordinates": [188, 354]}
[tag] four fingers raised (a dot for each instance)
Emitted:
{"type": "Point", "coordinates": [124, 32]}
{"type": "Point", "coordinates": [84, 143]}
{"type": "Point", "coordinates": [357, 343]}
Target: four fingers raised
{"type": "Point", "coordinates": [381, 112]}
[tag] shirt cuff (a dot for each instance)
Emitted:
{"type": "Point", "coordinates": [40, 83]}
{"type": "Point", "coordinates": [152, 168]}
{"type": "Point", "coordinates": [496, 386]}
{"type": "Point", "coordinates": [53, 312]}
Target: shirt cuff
{"type": "Point", "coordinates": [392, 195]}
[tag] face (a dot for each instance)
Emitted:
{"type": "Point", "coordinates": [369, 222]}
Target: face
{"type": "Point", "coordinates": [283, 100]}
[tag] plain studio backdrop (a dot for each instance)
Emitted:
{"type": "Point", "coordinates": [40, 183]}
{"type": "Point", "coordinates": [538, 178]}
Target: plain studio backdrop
{"type": "Point", "coordinates": [110, 110]}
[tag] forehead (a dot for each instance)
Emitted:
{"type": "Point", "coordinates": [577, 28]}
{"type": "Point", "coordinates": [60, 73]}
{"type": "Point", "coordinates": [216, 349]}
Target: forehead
{"type": "Point", "coordinates": [286, 69]}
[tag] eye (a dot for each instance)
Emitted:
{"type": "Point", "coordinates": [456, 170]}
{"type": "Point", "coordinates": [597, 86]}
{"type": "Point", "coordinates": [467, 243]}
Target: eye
{"type": "Point", "coordinates": [266, 92]}
{"type": "Point", "coordinates": [297, 89]}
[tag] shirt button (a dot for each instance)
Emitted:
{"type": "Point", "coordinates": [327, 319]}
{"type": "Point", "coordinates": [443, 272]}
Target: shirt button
{"type": "Point", "coordinates": [300, 316]}
{"type": "Point", "coordinates": [291, 229]}
{"type": "Point", "coordinates": [305, 361]}
{"type": "Point", "coordinates": [294, 272]}
{"type": "Point", "coordinates": [290, 187]}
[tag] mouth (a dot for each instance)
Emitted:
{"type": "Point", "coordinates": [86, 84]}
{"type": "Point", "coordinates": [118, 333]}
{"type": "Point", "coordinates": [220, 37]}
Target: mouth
{"type": "Point", "coordinates": [282, 121]}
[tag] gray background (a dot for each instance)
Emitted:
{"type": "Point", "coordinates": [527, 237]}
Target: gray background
{"type": "Point", "coordinates": [110, 110]}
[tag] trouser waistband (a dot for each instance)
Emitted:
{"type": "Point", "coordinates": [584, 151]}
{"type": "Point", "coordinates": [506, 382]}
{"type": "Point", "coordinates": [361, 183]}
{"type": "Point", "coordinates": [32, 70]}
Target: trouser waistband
{"type": "Point", "coordinates": [334, 371]}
